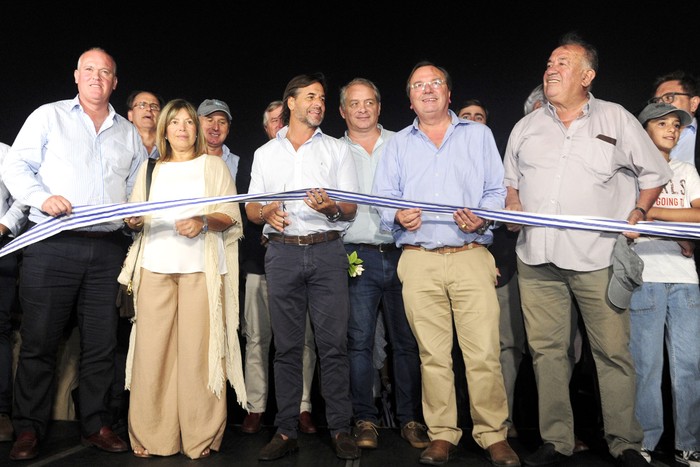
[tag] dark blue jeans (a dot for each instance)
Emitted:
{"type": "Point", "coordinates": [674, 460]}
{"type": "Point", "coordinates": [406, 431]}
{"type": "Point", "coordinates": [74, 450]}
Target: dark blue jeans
{"type": "Point", "coordinates": [379, 283]}
{"type": "Point", "coordinates": [313, 278]}
{"type": "Point", "coordinates": [8, 292]}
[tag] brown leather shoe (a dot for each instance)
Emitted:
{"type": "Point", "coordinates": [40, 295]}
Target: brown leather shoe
{"type": "Point", "coordinates": [105, 439]}
{"type": "Point", "coordinates": [502, 455]}
{"type": "Point", "coordinates": [6, 430]}
{"type": "Point", "coordinates": [252, 423]}
{"type": "Point", "coordinates": [26, 447]}
{"type": "Point", "coordinates": [306, 423]}
{"type": "Point", "coordinates": [437, 453]}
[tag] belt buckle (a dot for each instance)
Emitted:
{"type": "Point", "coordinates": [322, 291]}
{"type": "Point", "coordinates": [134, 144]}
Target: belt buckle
{"type": "Point", "coordinates": [304, 240]}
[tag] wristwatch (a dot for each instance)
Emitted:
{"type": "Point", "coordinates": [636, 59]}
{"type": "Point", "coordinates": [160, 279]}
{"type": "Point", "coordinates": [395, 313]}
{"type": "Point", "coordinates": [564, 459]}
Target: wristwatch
{"type": "Point", "coordinates": [205, 224]}
{"type": "Point", "coordinates": [482, 230]}
{"type": "Point", "coordinates": [336, 216]}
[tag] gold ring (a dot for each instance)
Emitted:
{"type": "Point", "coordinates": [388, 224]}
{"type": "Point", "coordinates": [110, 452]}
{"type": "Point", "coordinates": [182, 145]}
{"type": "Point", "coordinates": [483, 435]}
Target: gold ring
{"type": "Point", "coordinates": [462, 226]}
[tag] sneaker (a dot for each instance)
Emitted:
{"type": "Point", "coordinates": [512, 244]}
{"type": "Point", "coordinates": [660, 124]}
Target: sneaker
{"type": "Point", "coordinates": [365, 434]}
{"type": "Point", "coordinates": [416, 434]}
{"type": "Point", "coordinates": [631, 458]}
{"type": "Point", "coordinates": [646, 455]}
{"type": "Point", "coordinates": [691, 458]}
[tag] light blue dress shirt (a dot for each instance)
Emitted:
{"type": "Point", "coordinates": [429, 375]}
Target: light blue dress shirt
{"type": "Point", "coordinates": [13, 214]}
{"type": "Point", "coordinates": [58, 152]}
{"type": "Point", "coordinates": [465, 171]}
{"type": "Point", "coordinates": [231, 161]}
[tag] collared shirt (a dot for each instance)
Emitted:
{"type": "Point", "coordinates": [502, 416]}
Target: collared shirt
{"type": "Point", "coordinates": [58, 152]}
{"type": "Point", "coordinates": [592, 168]}
{"type": "Point", "coordinates": [321, 162]}
{"type": "Point", "coordinates": [13, 214]}
{"type": "Point", "coordinates": [465, 171]}
{"type": "Point", "coordinates": [684, 150]}
{"type": "Point", "coordinates": [231, 161]}
{"type": "Point", "coordinates": [154, 154]}
{"type": "Point", "coordinates": [365, 227]}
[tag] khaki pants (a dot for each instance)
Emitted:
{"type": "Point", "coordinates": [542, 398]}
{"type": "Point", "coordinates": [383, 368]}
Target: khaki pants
{"type": "Point", "coordinates": [440, 288]}
{"type": "Point", "coordinates": [545, 292]}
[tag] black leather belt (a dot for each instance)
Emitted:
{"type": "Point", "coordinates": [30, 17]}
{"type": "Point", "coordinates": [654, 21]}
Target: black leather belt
{"type": "Point", "coordinates": [310, 239]}
{"type": "Point", "coordinates": [87, 234]}
{"type": "Point", "coordinates": [382, 247]}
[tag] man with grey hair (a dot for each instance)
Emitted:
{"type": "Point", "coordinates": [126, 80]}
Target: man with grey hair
{"type": "Point", "coordinates": [360, 106]}
{"type": "Point", "coordinates": [600, 148]}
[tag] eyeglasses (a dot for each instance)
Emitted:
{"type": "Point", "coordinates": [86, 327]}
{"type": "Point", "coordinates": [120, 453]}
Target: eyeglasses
{"type": "Point", "coordinates": [667, 98]}
{"type": "Point", "coordinates": [435, 84]}
{"type": "Point", "coordinates": [146, 105]}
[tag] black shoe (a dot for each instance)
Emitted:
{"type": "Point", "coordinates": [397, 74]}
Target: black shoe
{"type": "Point", "coordinates": [632, 458]}
{"type": "Point", "coordinates": [545, 455]}
{"type": "Point", "coordinates": [345, 447]}
{"type": "Point", "coordinates": [277, 447]}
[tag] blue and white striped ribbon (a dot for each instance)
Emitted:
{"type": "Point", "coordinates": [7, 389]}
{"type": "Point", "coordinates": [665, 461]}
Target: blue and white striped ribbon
{"type": "Point", "coordinates": [84, 216]}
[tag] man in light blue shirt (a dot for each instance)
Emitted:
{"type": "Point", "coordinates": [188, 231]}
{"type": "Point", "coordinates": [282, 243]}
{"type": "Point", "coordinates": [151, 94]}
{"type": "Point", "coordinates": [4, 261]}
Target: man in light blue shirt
{"type": "Point", "coordinates": [13, 217]}
{"type": "Point", "coordinates": [448, 274]}
{"type": "Point", "coordinates": [71, 153]}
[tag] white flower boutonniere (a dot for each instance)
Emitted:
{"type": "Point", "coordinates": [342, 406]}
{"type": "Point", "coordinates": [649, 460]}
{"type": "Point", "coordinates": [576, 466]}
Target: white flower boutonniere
{"type": "Point", "coordinates": [355, 267]}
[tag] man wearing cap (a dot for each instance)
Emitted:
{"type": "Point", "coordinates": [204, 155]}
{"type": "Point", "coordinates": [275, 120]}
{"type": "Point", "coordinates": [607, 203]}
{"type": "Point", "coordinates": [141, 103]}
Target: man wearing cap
{"type": "Point", "coordinates": [215, 120]}
{"type": "Point", "coordinates": [579, 156]}
{"type": "Point", "coordinates": [667, 305]}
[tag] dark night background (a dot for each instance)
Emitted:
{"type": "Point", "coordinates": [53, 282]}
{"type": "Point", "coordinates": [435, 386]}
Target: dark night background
{"type": "Point", "coordinates": [245, 53]}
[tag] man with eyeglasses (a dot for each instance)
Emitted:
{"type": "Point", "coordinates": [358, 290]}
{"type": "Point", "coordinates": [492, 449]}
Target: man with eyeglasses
{"type": "Point", "coordinates": [448, 274]}
{"type": "Point", "coordinates": [144, 109]}
{"type": "Point", "coordinates": [680, 89]}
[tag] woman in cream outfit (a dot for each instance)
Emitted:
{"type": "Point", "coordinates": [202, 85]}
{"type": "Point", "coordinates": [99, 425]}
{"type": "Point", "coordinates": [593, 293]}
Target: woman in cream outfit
{"type": "Point", "coordinates": [184, 343]}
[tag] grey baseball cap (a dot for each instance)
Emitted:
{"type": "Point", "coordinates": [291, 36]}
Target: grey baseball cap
{"type": "Point", "coordinates": [627, 273]}
{"type": "Point", "coordinates": [209, 106]}
{"type": "Point", "coordinates": [661, 109]}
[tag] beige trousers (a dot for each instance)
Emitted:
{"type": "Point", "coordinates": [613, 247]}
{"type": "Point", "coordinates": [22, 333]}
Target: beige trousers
{"type": "Point", "coordinates": [170, 408]}
{"type": "Point", "coordinates": [437, 289]}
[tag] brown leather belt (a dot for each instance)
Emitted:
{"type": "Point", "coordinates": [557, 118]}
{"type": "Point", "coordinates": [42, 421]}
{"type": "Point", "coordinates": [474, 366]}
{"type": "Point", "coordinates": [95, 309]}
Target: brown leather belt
{"type": "Point", "coordinates": [443, 250]}
{"type": "Point", "coordinates": [382, 247]}
{"type": "Point", "coordinates": [310, 239]}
